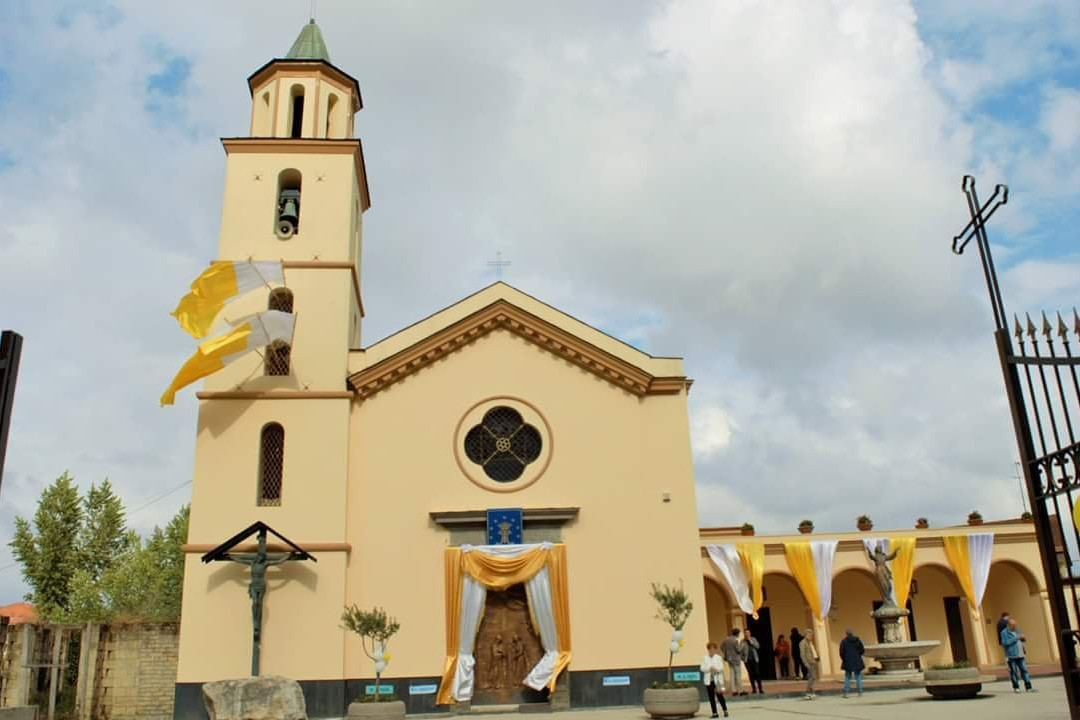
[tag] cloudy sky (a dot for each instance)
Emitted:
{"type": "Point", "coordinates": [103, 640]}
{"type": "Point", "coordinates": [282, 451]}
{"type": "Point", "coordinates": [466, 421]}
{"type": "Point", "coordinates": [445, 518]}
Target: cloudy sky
{"type": "Point", "coordinates": [768, 189]}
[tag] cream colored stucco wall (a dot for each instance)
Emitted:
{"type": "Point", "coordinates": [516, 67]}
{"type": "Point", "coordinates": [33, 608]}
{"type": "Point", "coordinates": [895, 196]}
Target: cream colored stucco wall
{"type": "Point", "coordinates": [613, 456]}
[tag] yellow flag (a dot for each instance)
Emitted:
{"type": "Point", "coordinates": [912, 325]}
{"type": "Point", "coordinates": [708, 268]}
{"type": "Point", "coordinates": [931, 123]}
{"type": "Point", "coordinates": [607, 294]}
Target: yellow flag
{"type": "Point", "coordinates": [258, 331]}
{"type": "Point", "coordinates": [217, 285]}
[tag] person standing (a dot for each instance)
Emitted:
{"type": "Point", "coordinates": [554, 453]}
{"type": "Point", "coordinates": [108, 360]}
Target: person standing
{"type": "Point", "coordinates": [851, 661]}
{"type": "Point", "coordinates": [1002, 623]}
{"type": "Point", "coordinates": [752, 659]}
{"type": "Point", "coordinates": [809, 655]}
{"type": "Point", "coordinates": [1013, 642]}
{"type": "Point", "coordinates": [782, 651]}
{"type": "Point", "coordinates": [733, 657]}
{"type": "Point", "coordinates": [796, 654]}
{"type": "Point", "coordinates": [712, 674]}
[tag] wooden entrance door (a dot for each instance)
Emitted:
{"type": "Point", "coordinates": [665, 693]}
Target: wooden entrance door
{"type": "Point", "coordinates": [507, 648]}
{"type": "Point", "coordinates": [761, 629]}
{"type": "Point", "coordinates": [956, 629]}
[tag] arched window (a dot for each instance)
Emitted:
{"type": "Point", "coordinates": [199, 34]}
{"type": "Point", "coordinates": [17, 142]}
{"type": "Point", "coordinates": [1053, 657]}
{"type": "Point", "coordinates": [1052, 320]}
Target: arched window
{"type": "Point", "coordinates": [277, 359]}
{"type": "Point", "coordinates": [271, 464]}
{"type": "Point", "coordinates": [296, 121]}
{"type": "Point", "coordinates": [332, 122]}
{"type": "Point", "coordinates": [287, 212]}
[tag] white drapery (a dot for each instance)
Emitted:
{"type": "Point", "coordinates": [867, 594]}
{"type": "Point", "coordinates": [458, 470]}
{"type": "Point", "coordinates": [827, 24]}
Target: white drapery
{"type": "Point", "coordinates": [824, 551]}
{"type": "Point", "coordinates": [473, 595]}
{"type": "Point", "coordinates": [980, 548]}
{"type": "Point", "coordinates": [727, 561]}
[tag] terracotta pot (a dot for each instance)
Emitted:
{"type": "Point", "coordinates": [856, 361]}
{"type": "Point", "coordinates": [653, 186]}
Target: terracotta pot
{"type": "Point", "coordinates": [920, 525]}
{"type": "Point", "coordinates": [975, 521]}
{"type": "Point", "coordinates": [386, 710]}
{"type": "Point", "coordinates": [865, 526]}
{"type": "Point", "coordinates": [676, 703]}
{"type": "Point", "coordinates": [806, 529]}
{"type": "Point", "coordinates": [744, 531]}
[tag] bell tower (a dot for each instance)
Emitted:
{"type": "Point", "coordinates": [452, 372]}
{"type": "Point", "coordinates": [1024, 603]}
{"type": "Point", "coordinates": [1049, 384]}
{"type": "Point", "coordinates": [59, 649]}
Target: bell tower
{"type": "Point", "coordinates": [272, 438]}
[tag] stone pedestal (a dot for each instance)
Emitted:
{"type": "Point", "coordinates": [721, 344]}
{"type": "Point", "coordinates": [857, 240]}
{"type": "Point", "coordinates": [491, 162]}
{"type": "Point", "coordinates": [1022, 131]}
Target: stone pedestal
{"type": "Point", "coordinates": [254, 698]}
{"type": "Point", "coordinates": [896, 655]}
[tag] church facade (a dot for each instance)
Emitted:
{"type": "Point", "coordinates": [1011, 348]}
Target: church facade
{"type": "Point", "coordinates": [379, 459]}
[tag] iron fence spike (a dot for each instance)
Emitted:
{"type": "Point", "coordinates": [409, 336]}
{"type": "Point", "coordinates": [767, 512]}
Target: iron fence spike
{"type": "Point", "coordinates": [1019, 332]}
{"type": "Point", "coordinates": [1062, 331]}
{"type": "Point", "coordinates": [1076, 323]}
{"type": "Point", "coordinates": [1047, 330]}
{"type": "Point", "coordinates": [1030, 326]}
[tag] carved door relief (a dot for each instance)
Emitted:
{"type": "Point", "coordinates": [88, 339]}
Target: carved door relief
{"type": "Point", "coordinates": [507, 648]}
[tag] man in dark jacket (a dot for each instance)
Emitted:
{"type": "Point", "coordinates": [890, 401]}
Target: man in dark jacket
{"type": "Point", "coordinates": [796, 655]}
{"type": "Point", "coordinates": [851, 662]}
{"type": "Point", "coordinates": [1002, 623]}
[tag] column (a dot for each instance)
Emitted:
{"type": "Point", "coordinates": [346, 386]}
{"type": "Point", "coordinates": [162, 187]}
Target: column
{"type": "Point", "coordinates": [1048, 623]}
{"type": "Point", "coordinates": [978, 630]}
{"type": "Point", "coordinates": [822, 643]}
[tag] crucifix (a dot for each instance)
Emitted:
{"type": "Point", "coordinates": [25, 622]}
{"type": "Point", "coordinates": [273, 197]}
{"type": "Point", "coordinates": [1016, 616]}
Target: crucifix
{"type": "Point", "coordinates": [257, 562]}
{"type": "Point", "coordinates": [498, 263]}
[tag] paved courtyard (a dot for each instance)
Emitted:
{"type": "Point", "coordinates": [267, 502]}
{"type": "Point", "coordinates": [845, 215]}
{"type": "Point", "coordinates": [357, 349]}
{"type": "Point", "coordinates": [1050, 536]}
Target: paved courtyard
{"type": "Point", "coordinates": [997, 701]}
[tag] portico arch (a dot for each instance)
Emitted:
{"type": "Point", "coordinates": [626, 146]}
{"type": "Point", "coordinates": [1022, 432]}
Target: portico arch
{"type": "Point", "coordinates": [1012, 587]}
{"type": "Point", "coordinates": [854, 592]}
{"type": "Point", "coordinates": [720, 606]}
{"type": "Point", "coordinates": [938, 602]}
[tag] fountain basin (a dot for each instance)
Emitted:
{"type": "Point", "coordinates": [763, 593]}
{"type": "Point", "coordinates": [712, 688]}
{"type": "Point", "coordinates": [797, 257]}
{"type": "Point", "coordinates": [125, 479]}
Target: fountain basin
{"type": "Point", "coordinates": [898, 658]}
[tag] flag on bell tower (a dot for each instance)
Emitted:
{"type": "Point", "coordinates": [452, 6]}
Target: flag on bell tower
{"type": "Point", "coordinates": [504, 526]}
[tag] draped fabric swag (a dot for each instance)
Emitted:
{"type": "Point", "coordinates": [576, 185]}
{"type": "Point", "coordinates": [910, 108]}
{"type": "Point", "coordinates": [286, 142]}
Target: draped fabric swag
{"type": "Point", "coordinates": [470, 571]}
{"type": "Point", "coordinates": [742, 567]}
{"type": "Point", "coordinates": [811, 565]}
{"type": "Point", "coordinates": [902, 566]}
{"type": "Point", "coordinates": [969, 557]}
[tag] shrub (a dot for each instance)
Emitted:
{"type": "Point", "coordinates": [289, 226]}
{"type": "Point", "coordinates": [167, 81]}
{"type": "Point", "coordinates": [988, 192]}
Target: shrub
{"type": "Point", "coordinates": [674, 609]}
{"type": "Point", "coordinates": [374, 627]}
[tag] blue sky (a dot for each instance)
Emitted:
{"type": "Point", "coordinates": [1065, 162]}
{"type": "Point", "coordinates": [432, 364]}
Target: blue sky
{"type": "Point", "coordinates": [767, 189]}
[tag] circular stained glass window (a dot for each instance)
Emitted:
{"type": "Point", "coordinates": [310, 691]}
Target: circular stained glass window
{"type": "Point", "coordinates": [503, 444]}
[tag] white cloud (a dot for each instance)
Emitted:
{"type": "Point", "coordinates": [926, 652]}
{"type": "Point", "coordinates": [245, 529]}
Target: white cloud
{"type": "Point", "coordinates": [710, 431]}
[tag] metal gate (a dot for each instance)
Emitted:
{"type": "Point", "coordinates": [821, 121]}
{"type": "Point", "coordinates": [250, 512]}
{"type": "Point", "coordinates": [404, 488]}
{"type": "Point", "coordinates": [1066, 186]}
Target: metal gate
{"type": "Point", "coordinates": [1042, 385]}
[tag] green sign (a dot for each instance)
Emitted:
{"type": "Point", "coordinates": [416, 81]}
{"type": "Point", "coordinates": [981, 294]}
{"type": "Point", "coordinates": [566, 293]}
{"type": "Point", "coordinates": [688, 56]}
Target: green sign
{"type": "Point", "coordinates": [687, 676]}
{"type": "Point", "coordinates": [383, 690]}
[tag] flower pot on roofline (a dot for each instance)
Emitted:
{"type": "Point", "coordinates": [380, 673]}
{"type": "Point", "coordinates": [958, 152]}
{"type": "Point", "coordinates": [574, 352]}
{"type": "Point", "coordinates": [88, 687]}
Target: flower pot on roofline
{"type": "Point", "coordinates": [1027, 517]}
{"type": "Point", "coordinates": [975, 518]}
{"type": "Point", "coordinates": [922, 523]}
{"type": "Point", "coordinates": [806, 527]}
{"type": "Point", "coordinates": [864, 523]}
{"type": "Point", "coordinates": [747, 529]}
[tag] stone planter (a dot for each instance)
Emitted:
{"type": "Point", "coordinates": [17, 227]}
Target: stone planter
{"type": "Point", "coordinates": [953, 684]}
{"type": "Point", "coordinates": [385, 710]}
{"type": "Point", "coordinates": [675, 703]}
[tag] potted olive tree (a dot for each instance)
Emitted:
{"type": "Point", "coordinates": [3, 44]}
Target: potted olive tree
{"type": "Point", "coordinates": [672, 699]}
{"type": "Point", "coordinates": [375, 629]}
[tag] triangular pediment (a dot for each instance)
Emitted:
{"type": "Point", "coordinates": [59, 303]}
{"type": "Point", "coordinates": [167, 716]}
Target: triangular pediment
{"type": "Point", "coordinates": [628, 370]}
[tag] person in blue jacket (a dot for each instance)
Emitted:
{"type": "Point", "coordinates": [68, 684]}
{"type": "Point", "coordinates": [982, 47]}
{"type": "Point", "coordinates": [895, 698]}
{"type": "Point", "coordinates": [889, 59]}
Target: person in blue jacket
{"type": "Point", "coordinates": [1013, 642]}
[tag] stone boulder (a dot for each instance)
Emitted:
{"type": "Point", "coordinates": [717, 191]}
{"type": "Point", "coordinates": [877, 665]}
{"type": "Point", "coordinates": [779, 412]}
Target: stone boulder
{"type": "Point", "coordinates": [255, 698]}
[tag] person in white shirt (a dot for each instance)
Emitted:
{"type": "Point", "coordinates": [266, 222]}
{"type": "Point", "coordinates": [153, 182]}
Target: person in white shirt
{"type": "Point", "coordinates": [712, 674]}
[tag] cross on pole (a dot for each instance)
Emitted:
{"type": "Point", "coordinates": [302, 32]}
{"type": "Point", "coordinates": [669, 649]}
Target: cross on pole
{"type": "Point", "coordinates": [976, 230]}
{"type": "Point", "coordinates": [498, 263]}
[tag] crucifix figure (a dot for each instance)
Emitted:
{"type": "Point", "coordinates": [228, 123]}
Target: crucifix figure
{"type": "Point", "coordinates": [258, 562]}
{"type": "Point", "coordinates": [498, 263]}
{"type": "Point", "coordinates": [504, 533]}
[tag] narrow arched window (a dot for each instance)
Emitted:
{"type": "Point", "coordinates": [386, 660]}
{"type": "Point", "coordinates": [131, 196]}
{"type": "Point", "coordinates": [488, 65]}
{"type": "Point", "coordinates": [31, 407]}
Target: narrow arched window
{"type": "Point", "coordinates": [287, 212]}
{"type": "Point", "coordinates": [277, 359]}
{"type": "Point", "coordinates": [296, 121]}
{"type": "Point", "coordinates": [271, 464]}
{"type": "Point", "coordinates": [332, 126]}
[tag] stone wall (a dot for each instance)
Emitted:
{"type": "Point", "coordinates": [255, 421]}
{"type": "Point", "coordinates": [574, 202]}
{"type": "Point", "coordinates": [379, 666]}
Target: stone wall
{"type": "Point", "coordinates": [136, 674]}
{"type": "Point", "coordinates": [126, 672]}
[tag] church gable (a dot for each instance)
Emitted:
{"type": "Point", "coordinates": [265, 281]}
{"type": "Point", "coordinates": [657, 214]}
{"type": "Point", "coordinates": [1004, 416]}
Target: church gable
{"type": "Point", "coordinates": [501, 314]}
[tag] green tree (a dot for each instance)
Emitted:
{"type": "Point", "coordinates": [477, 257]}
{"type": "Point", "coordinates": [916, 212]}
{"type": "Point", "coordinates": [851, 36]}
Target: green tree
{"type": "Point", "coordinates": [104, 537]}
{"type": "Point", "coordinates": [49, 551]}
{"type": "Point", "coordinates": [147, 583]}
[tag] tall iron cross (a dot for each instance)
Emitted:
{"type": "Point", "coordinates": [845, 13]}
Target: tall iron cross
{"type": "Point", "coordinates": [498, 263]}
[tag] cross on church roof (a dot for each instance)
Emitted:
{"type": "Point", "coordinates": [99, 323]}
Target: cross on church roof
{"type": "Point", "coordinates": [498, 263]}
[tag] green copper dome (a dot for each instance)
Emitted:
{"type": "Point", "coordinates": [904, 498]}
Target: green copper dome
{"type": "Point", "coordinates": [309, 45]}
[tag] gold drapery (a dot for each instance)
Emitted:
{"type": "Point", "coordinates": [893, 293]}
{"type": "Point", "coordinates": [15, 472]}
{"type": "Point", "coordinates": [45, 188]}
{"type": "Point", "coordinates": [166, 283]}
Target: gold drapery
{"type": "Point", "coordinates": [801, 562]}
{"type": "Point", "coordinates": [903, 567]}
{"type": "Point", "coordinates": [956, 550]}
{"type": "Point", "coordinates": [452, 579]}
{"type": "Point", "coordinates": [752, 556]}
{"type": "Point", "coordinates": [498, 573]}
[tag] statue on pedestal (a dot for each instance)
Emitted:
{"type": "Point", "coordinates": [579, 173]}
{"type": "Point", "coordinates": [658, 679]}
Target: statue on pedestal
{"type": "Point", "coordinates": [882, 573]}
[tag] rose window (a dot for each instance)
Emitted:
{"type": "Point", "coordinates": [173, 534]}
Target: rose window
{"type": "Point", "coordinates": [503, 444]}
